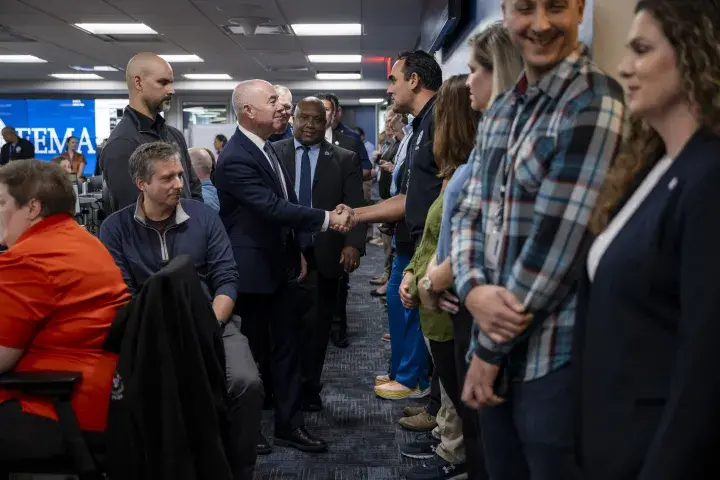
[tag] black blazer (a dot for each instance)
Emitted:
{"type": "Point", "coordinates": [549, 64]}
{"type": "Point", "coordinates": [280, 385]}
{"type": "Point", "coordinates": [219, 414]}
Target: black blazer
{"type": "Point", "coordinates": [349, 143]}
{"type": "Point", "coordinates": [648, 333]}
{"type": "Point", "coordinates": [336, 181]}
{"type": "Point", "coordinates": [168, 416]}
{"type": "Point", "coordinates": [261, 224]}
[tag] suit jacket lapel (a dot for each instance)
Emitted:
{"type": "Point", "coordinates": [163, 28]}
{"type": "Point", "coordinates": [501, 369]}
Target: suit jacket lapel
{"type": "Point", "coordinates": [288, 157]}
{"type": "Point", "coordinates": [325, 158]}
{"type": "Point", "coordinates": [259, 157]}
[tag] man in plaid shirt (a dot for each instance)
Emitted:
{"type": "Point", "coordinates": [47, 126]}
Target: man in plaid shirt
{"type": "Point", "coordinates": [519, 239]}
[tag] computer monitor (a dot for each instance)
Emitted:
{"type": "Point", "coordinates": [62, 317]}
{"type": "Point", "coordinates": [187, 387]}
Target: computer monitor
{"type": "Point", "coordinates": [95, 184]}
{"type": "Point", "coordinates": [77, 199]}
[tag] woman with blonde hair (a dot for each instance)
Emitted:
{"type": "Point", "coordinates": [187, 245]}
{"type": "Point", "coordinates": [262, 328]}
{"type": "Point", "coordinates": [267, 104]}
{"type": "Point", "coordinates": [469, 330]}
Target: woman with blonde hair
{"type": "Point", "coordinates": [494, 65]}
{"type": "Point", "coordinates": [647, 333]}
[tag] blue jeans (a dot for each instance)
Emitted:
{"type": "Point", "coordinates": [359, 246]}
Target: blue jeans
{"type": "Point", "coordinates": [408, 352]}
{"type": "Point", "coordinates": [531, 435]}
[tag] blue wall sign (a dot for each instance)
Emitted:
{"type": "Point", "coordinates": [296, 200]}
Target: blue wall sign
{"type": "Point", "coordinates": [49, 123]}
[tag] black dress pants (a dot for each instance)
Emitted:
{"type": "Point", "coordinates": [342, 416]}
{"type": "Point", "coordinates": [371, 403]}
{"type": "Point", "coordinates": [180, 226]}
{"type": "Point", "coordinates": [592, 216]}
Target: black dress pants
{"type": "Point", "coordinates": [321, 297]}
{"type": "Point", "coordinates": [451, 367]}
{"type": "Point", "coordinates": [273, 320]}
{"type": "Point", "coordinates": [339, 320]}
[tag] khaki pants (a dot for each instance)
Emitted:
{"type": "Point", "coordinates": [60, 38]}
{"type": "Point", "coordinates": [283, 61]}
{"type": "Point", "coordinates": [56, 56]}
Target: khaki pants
{"type": "Point", "coordinates": [449, 428]}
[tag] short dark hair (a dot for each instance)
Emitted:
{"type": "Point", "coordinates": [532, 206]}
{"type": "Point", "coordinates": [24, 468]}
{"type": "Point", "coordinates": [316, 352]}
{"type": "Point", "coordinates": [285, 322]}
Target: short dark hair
{"type": "Point", "coordinates": [222, 138]}
{"type": "Point", "coordinates": [424, 66]}
{"type": "Point", "coordinates": [45, 182]}
{"type": "Point", "coordinates": [8, 128]}
{"type": "Point", "coordinates": [332, 98]}
{"type": "Point", "coordinates": [142, 161]}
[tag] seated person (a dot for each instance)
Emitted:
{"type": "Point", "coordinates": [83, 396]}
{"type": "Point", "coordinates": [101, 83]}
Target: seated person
{"type": "Point", "coordinates": [144, 236]}
{"type": "Point", "coordinates": [59, 292]}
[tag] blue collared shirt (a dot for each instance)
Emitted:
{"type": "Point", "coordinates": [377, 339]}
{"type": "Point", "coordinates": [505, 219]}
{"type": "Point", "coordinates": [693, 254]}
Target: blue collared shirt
{"type": "Point", "coordinates": [209, 194]}
{"type": "Point", "coordinates": [314, 154]}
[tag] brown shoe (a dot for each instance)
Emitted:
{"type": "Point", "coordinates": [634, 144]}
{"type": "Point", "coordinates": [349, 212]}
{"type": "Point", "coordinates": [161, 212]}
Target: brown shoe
{"type": "Point", "coordinates": [422, 422]}
{"type": "Point", "coordinates": [412, 410]}
{"type": "Point", "coordinates": [381, 280]}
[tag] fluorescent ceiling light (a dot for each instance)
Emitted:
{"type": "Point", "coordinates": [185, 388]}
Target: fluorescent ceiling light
{"type": "Point", "coordinates": [207, 76]}
{"type": "Point", "coordinates": [116, 28]}
{"type": "Point", "coordinates": [76, 76]}
{"type": "Point", "coordinates": [21, 59]}
{"type": "Point", "coordinates": [338, 76]}
{"type": "Point", "coordinates": [371, 100]}
{"type": "Point", "coordinates": [322, 29]}
{"type": "Point", "coordinates": [96, 68]}
{"type": "Point", "coordinates": [335, 58]}
{"type": "Point", "coordinates": [182, 58]}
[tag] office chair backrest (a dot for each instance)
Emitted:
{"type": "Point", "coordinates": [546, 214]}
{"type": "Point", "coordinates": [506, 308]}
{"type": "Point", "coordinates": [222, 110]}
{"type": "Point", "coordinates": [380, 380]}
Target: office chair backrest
{"type": "Point", "coordinates": [95, 183]}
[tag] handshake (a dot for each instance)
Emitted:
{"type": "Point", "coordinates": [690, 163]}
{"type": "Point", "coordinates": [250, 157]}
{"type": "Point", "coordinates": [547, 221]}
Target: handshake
{"type": "Point", "coordinates": [343, 219]}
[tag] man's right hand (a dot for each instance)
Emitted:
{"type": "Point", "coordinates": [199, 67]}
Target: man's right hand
{"type": "Point", "coordinates": [342, 220]}
{"type": "Point", "coordinates": [497, 312]}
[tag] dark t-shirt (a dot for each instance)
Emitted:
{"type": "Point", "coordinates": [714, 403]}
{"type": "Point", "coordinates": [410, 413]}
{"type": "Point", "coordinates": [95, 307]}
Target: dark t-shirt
{"type": "Point", "coordinates": [162, 225]}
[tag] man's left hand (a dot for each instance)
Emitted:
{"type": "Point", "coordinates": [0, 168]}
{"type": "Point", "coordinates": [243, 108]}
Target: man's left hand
{"type": "Point", "coordinates": [478, 390]}
{"type": "Point", "coordinates": [350, 259]}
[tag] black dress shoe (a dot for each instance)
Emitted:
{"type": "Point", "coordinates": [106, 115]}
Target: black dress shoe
{"type": "Point", "coordinates": [340, 339]}
{"type": "Point", "coordinates": [302, 440]}
{"type": "Point", "coordinates": [262, 446]}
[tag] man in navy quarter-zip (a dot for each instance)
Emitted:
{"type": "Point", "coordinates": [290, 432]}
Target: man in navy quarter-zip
{"type": "Point", "coordinates": [161, 225]}
{"type": "Point", "coordinates": [150, 88]}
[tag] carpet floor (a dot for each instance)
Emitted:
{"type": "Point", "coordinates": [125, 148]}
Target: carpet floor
{"type": "Point", "coordinates": [360, 428]}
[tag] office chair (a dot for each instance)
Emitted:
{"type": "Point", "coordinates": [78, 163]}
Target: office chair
{"type": "Point", "coordinates": [84, 459]}
{"type": "Point", "coordinates": [95, 184]}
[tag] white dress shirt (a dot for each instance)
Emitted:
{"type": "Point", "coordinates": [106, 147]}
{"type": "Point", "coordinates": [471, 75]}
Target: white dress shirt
{"type": "Point", "coordinates": [260, 143]}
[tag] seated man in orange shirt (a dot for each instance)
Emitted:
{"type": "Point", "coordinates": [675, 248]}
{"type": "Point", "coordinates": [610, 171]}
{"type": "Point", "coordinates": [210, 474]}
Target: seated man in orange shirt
{"type": "Point", "coordinates": [59, 292]}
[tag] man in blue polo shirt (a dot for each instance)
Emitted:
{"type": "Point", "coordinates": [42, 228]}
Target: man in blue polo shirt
{"type": "Point", "coordinates": [144, 236]}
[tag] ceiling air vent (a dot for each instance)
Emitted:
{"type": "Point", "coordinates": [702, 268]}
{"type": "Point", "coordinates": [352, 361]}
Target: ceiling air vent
{"type": "Point", "coordinates": [255, 26]}
{"type": "Point", "coordinates": [121, 38]}
{"type": "Point", "coordinates": [288, 69]}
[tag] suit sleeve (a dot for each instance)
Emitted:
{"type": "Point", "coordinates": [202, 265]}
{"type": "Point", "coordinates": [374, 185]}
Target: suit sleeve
{"type": "Point", "coordinates": [354, 197]}
{"type": "Point", "coordinates": [223, 275]}
{"type": "Point", "coordinates": [111, 238]}
{"type": "Point", "coordinates": [688, 426]}
{"type": "Point", "coordinates": [242, 180]}
{"type": "Point", "coordinates": [114, 158]}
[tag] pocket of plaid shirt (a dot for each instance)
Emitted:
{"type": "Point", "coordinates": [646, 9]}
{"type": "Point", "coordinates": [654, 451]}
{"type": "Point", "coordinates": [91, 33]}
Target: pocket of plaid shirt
{"type": "Point", "coordinates": [533, 161]}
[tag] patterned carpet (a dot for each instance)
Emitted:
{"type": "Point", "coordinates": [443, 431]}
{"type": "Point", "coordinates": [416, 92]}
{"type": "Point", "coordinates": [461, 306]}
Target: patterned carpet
{"type": "Point", "coordinates": [360, 428]}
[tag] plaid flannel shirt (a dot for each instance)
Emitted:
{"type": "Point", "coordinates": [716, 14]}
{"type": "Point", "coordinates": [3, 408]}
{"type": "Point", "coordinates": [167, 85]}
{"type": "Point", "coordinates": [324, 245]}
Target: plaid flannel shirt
{"type": "Point", "coordinates": [552, 142]}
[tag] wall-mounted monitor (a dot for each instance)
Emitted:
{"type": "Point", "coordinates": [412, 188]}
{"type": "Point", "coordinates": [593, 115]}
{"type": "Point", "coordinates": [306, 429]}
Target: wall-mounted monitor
{"type": "Point", "coordinates": [440, 17]}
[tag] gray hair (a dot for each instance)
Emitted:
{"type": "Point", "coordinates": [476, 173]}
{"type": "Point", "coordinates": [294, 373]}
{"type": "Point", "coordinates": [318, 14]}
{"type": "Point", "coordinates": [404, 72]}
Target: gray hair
{"type": "Point", "coordinates": [283, 90]}
{"type": "Point", "coordinates": [142, 161]}
{"type": "Point", "coordinates": [201, 160]}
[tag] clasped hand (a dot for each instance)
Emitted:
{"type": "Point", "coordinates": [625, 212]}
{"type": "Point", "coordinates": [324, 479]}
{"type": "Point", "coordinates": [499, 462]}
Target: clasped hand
{"type": "Point", "coordinates": [342, 219]}
{"type": "Point", "coordinates": [497, 312]}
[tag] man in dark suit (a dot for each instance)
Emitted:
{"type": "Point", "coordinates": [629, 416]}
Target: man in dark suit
{"type": "Point", "coordinates": [323, 176]}
{"type": "Point", "coordinates": [261, 214]}
{"type": "Point", "coordinates": [334, 136]}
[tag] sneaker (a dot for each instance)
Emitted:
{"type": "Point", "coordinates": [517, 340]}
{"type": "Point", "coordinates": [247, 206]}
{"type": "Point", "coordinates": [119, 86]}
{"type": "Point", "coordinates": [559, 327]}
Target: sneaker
{"type": "Point", "coordinates": [422, 422]}
{"type": "Point", "coordinates": [422, 447]}
{"type": "Point", "coordinates": [417, 393]}
{"type": "Point", "coordinates": [438, 469]}
{"type": "Point", "coordinates": [412, 410]}
{"type": "Point", "coordinates": [382, 379]}
{"type": "Point", "coordinates": [394, 391]}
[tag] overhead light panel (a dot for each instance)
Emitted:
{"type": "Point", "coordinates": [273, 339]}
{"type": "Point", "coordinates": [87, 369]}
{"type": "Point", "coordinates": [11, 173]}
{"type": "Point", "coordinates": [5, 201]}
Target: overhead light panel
{"type": "Point", "coordinates": [96, 68]}
{"type": "Point", "coordinates": [326, 29]}
{"type": "Point", "coordinates": [335, 58]}
{"type": "Point", "coordinates": [182, 58]}
{"type": "Point", "coordinates": [207, 76]}
{"type": "Point", "coordinates": [21, 59]}
{"type": "Point", "coordinates": [338, 76]}
{"type": "Point", "coordinates": [371, 100]}
{"type": "Point", "coordinates": [116, 28]}
{"type": "Point", "coordinates": [76, 76]}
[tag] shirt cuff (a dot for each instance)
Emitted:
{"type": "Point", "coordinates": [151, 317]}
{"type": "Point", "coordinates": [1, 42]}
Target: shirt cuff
{"type": "Point", "coordinates": [326, 223]}
{"type": "Point", "coordinates": [489, 351]}
{"type": "Point", "coordinates": [465, 285]}
{"type": "Point", "coordinates": [228, 291]}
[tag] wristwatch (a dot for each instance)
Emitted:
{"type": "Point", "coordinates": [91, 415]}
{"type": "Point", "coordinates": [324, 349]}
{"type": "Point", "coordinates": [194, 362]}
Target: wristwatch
{"type": "Point", "coordinates": [426, 284]}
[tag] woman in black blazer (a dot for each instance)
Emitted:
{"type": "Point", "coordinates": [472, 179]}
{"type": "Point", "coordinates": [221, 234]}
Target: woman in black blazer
{"type": "Point", "coordinates": [648, 335]}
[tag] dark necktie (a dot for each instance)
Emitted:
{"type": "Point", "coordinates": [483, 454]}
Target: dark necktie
{"type": "Point", "coordinates": [305, 190]}
{"type": "Point", "coordinates": [275, 164]}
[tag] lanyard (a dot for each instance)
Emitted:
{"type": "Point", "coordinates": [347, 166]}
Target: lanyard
{"type": "Point", "coordinates": [410, 159]}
